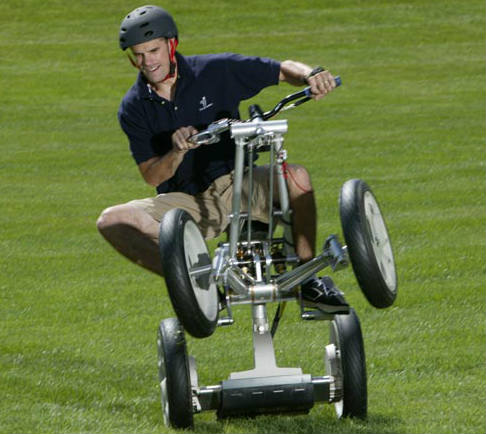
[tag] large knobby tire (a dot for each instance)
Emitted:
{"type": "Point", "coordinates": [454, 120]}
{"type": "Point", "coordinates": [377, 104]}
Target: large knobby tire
{"type": "Point", "coordinates": [368, 243]}
{"type": "Point", "coordinates": [346, 336]}
{"type": "Point", "coordinates": [174, 376]}
{"type": "Point", "coordinates": [187, 266]}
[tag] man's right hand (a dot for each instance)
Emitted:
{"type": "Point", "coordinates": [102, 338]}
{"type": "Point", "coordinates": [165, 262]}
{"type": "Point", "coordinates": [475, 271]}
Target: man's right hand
{"type": "Point", "coordinates": [180, 144]}
{"type": "Point", "coordinates": [159, 169]}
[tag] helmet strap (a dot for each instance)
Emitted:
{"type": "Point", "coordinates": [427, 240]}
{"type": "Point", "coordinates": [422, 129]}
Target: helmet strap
{"type": "Point", "coordinates": [173, 42]}
{"type": "Point", "coordinates": [131, 57]}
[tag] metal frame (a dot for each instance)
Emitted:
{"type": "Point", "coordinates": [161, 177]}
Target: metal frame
{"type": "Point", "coordinates": [266, 387]}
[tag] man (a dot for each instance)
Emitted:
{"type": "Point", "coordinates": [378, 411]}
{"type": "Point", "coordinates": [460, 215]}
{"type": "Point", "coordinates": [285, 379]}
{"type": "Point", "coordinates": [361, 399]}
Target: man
{"type": "Point", "coordinates": [173, 97]}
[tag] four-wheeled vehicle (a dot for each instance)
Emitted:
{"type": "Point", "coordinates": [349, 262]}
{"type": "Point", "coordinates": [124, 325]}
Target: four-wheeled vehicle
{"type": "Point", "coordinates": [256, 267]}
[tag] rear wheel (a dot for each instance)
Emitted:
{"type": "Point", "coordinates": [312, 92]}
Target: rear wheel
{"type": "Point", "coordinates": [187, 267]}
{"type": "Point", "coordinates": [368, 243]}
{"type": "Point", "coordinates": [345, 361]}
{"type": "Point", "coordinates": [174, 377]}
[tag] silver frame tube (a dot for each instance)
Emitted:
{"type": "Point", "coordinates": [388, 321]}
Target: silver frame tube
{"type": "Point", "coordinates": [257, 127]}
{"type": "Point", "coordinates": [237, 188]}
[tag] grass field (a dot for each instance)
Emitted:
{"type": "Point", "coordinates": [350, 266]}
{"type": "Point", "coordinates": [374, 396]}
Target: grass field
{"type": "Point", "coordinates": [78, 322]}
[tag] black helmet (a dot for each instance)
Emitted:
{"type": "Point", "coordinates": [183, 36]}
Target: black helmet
{"type": "Point", "coordinates": [144, 24]}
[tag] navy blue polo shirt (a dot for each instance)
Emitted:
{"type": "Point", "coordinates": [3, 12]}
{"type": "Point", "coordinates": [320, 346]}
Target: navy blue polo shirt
{"type": "Point", "coordinates": [209, 87]}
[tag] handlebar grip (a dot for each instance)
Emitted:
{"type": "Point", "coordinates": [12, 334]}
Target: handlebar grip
{"type": "Point", "coordinates": [255, 111]}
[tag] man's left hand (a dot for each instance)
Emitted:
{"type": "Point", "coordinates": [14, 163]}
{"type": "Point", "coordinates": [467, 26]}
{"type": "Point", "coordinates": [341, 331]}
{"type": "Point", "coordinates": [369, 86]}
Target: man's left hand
{"type": "Point", "coordinates": [321, 84]}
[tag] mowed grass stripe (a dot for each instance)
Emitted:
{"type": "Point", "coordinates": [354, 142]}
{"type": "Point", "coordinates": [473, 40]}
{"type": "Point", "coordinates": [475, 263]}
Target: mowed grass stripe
{"type": "Point", "coordinates": [78, 322]}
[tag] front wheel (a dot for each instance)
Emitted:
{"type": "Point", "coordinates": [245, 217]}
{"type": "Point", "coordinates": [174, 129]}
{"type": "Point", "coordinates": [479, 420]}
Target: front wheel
{"type": "Point", "coordinates": [187, 268]}
{"type": "Point", "coordinates": [174, 376]}
{"type": "Point", "coordinates": [368, 243]}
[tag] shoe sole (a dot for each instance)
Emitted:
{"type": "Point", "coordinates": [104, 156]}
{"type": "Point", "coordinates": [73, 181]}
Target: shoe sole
{"type": "Point", "coordinates": [326, 308]}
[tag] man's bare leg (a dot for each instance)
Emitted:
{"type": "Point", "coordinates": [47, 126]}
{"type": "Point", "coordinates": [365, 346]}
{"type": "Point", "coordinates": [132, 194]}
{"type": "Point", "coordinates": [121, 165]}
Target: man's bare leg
{"type": "Point", "coordinates": [320, 293]}
{"type": "Point", "coordinates": [133, 233]}
{"type": "Point", "coordinates": [304, 213]}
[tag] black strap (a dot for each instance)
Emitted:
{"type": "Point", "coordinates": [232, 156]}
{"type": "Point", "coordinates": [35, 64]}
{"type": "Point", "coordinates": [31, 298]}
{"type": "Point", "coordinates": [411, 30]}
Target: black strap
{"type": "Point", "coordinates": [315, 71]}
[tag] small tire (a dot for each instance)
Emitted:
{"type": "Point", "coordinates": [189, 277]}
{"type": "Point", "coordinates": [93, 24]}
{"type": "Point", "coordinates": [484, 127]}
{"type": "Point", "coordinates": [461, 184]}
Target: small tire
{"type": "Point", "coordinates": [174, 376]}
{"type": "Point", "coordinates": [368, 243]}
{"type": "Point", "coordinates": [186, 265]}
{"type": "Point", "coordinates": [350, 366]}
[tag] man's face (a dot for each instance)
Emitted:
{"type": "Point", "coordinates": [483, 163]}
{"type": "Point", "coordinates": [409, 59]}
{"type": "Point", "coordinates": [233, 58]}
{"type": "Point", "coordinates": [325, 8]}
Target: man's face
{"type": "Point", "coordinates": [152, 58]}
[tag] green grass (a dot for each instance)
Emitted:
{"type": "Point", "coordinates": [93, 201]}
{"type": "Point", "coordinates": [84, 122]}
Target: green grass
{"type": "Point", "coordinates": [78, 322]}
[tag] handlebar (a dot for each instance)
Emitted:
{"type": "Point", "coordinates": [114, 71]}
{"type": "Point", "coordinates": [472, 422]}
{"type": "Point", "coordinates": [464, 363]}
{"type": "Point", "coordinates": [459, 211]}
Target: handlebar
{"type": "Point", "coordinates": [302, 97]}
{"type": "Point", "coordinates": [211, 133]}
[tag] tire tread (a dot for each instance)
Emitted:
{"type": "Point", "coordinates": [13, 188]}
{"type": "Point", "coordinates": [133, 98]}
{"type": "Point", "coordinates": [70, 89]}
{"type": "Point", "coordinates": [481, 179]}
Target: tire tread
{"type": "Point", "coordinates": [361, 253]}
{"type": "Point", "coordinates": [179, 393]}
{"type": "Point", "coordinates": [355, 393]}
{"type": "Point", "coordinates": [177, 281]}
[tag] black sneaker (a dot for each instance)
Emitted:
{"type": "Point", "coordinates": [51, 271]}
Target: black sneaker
{"type": "Point", "coordinates": [323, 294]}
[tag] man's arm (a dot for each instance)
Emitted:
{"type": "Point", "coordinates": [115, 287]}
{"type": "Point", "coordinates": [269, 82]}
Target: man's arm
{"type": "Point", "coordinates": [299, 74]}
{"type": "Point", "coordinates": [157, 170]}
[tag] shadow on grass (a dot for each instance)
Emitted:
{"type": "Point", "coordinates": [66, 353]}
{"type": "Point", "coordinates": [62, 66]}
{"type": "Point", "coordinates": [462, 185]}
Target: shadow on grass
{"type": "Point", "coordinates": [304, 424]}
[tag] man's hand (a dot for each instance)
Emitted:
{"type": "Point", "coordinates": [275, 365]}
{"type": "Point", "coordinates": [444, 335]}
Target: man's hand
{"type": "Point", "coordinates": [296, 73]}
{"type": "Point", "coordinates": [180, 144]}
{"type": "Point", "coordinates": [321, 84]}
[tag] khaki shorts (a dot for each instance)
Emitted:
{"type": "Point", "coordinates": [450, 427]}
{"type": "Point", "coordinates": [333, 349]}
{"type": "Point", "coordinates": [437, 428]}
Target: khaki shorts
{"type": "Point", "coordinates": [211, 208]}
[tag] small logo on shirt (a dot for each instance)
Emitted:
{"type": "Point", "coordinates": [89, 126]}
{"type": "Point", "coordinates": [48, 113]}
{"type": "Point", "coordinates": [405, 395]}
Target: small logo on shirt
{"type": "Point", "coordinates": [204, 104]}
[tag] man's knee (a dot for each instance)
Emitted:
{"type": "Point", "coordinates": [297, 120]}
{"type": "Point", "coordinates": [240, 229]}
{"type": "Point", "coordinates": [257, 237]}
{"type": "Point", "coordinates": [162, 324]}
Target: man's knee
{"type": "Point", "coordinates": [115, 216]}
{"type": "Point", "coordinates": [299, 180]}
